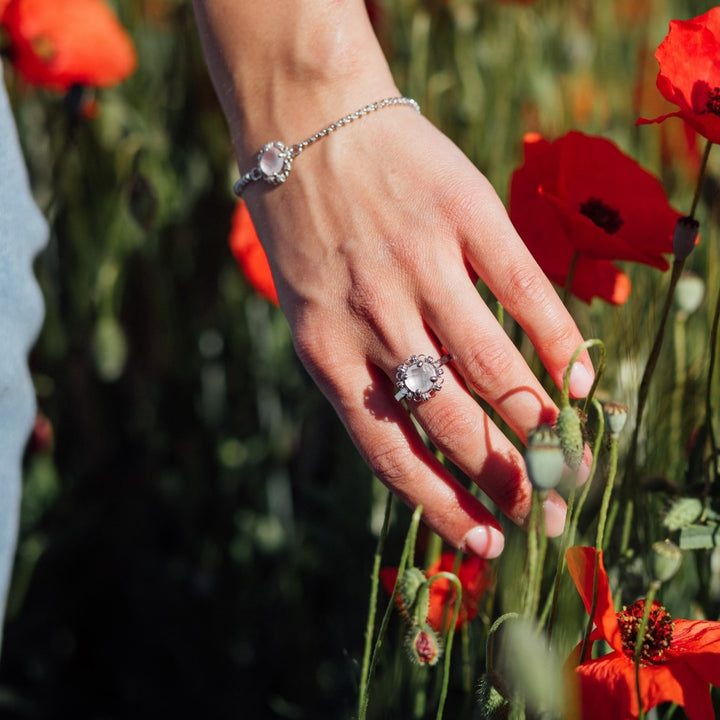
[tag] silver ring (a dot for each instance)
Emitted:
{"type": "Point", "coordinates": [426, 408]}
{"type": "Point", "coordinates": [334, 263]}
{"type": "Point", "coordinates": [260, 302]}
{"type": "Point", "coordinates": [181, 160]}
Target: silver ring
{"type": "Point", "coordinates": [420, 377]}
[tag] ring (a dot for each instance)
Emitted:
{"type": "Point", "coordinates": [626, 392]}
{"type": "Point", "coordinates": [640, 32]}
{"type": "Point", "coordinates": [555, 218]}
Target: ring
{"type": "Point", "coordinates": [420, 377]}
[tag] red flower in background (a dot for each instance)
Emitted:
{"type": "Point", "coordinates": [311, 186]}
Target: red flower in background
{"type": "Point", "coordinates": [250, 255]}
{"type": "Point", "coordinates": [60, 43]}
{"type": "Point", "coordinates": [680, 658]}
{"type": "Point", "coordinates": [689, 76]}
{"type": "Point", "coordinates": [581, 194]}
{"type": "Point", "coordinates": [474, 576]}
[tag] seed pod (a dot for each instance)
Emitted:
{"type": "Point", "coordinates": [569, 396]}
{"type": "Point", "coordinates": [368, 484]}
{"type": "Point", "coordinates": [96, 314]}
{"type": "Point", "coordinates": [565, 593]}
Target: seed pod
{"type": "Point", "coordinates": [544, 458]}
{"type": "Point", "coordinates": [666, 560]}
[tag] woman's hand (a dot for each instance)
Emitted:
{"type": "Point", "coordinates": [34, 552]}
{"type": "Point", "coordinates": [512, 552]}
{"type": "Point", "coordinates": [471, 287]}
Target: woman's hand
{"type": "Point", "coordinates": [376, 241]}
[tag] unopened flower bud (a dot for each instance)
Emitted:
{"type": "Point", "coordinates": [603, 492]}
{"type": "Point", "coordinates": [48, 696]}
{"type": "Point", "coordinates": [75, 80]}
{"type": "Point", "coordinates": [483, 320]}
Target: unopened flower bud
{"type": "Point", "coordinates": [544, 458]}
{"type": "Point", "coordinates": [492, 697]}
{"type": "Point", "coordinates": [685, 237]}
{"type": "Point", "coordinates": [569, 427]}
{"type": "Point", "coordinates": [615, 417]}
{"type": "Point", "coordinates": [412, 580]}
{"type": "Point", "coordinates": [689, 292]}
{"type": "Point", "coordinates": [666, 560]}
{"type": "Point", "coordinates": [424, 645]}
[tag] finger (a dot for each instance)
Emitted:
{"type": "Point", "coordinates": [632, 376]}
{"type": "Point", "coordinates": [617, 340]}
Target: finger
{"type": "Point", "coordinates": [386, 437]}
{"type": "Point", "coordinates": [523, 289]}
{"type": "Point", "coordinates": [487, 359]}
{"type": "Point", "coordinates": [463, 432]}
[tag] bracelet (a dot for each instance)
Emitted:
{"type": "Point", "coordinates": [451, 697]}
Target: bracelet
{"type": "Point", "coordinates": [274, 160]}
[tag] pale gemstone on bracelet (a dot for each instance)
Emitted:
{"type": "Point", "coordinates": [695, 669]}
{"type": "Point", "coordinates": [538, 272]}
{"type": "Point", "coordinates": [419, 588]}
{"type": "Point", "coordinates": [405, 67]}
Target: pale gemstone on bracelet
{"type": "Point", "coordinates": [271, 161]}
{"type": "Point", "coordinates": [420, 378]}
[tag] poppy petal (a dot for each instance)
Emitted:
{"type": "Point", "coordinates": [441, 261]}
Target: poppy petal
{"type": "Point", "coordinates": [73, 42]}
{"type": "Point", "coordinates": [250, 254]}
{"type": "Point", "coordinates": [581, 566]}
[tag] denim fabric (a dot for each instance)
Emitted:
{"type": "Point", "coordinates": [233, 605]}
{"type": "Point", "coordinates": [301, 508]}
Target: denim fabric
{"type": "Point", "coordinates": [23, 232]}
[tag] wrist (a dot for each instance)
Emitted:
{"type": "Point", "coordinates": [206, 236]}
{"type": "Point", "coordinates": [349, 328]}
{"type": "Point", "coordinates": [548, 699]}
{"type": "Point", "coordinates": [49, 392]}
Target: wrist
{"type": "Point", "coordinates": [285, 69]}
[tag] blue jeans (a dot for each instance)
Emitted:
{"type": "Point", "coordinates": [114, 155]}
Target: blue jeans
{"type": "Point", "coordinates": [23, 232]}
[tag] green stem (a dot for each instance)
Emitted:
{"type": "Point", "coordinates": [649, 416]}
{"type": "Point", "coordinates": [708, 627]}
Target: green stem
{"type": "Point", "coordinates": [701, 178]}
{"type": "Point", "coordinates": [654, 587]}
{"type": "Point", "coordinates": [450, 635]}
{"type": "Point", "coordinates": [708, 391]}
{"type": "Point", "coordinates": [370, 625]}
{"type": "Point", "coordinates": [533, 554]}
{"type": "Point", "coordinates": [605, 504]}
{"type": "Point", "coordinates": [593, 342]}
{"type": "Point", "coordinates": [490, 643]}
{"type": "Point", "coordinates": [676, 413]}
{"type": "Point", "coordinates": [407, 558]}
{"type": "Point", "coordinates": [629, 486]}
{"type": "Point", "coordinates": [629, 490]}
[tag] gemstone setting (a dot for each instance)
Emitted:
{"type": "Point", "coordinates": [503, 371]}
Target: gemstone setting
{"type": "Point", "coordinates": [420, 377]}
{"type": "Point", "coordinates": [275, 162]}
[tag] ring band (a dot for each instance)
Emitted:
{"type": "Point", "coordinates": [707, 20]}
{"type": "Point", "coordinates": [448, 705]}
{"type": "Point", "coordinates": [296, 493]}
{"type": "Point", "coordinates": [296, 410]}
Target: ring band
{"type": "Point", "coordinates": [420, 377]}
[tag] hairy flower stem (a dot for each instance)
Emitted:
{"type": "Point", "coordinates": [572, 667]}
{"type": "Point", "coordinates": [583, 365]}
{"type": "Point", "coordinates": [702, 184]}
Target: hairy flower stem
{"type": "Point", "coordinates": [372, 610]}
{"type": "Point", "coordinates": [676, 413]}
{"type": "Point", "coordinates": [629, 484]}
{"type": "Point", "coordinates": [406, 559]}
{"type": "Point", "coordinates": [455, 581]}
{"type": "Point", "coordinates": [537, 547]}
{"type": "Point", "coordinates": [652, 591]}
{"type": "Point", "coordinates": [708, 394]}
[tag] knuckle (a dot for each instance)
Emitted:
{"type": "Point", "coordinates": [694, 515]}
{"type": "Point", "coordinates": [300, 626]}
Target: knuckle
{"type": "Point", "coordinates": [453, 427]}
{"type": "Point", "coordinates": [393, 462]}
{"type": "Point", "coordinates": [524, 284]}
{"type": "Point", "coordinates": [489, 364]}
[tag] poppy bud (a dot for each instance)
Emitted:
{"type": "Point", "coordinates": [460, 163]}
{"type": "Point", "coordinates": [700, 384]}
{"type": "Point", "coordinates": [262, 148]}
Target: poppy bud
{"type": "Point", "coordinates": [424, 645]}
{"type": "Point", "coordinates": [412, 580]}
{"type": "Point", "coordinates": [615, 417]}
{"type": "Point", "coordinates": [544, 458]}
{"type": "Point", "coordinates": [666, 560]}
{"type": "Point", "coordinates": [569, 427]}
{"type": "Point", "coordinates": [492, 697]}
{"type": "Point", "coordinates": [689, 292]}
{"type": "Point", "coordinates": [685, 237]}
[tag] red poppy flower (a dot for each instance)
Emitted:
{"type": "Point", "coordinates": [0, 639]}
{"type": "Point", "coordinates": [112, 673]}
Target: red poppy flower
{"type": "Point", "coordinates": [680, 657]}
{"type": "Point", "coordinates": [73, 42]}
{"type": "Point", "coordinates": [581, 194]}
{"type": "Point", "coordinates": [689, 76]}
{"type": "Point", "coordinates": [474, 576]}
{"type": "Point", "coordinates": [250, 255]}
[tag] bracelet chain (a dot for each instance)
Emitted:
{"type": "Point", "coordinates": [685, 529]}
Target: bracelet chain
{"type": "Point", "coordinates": [280, 157]}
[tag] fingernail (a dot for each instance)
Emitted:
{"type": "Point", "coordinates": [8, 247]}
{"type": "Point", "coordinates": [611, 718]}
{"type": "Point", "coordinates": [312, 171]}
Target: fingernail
{"type": "Point", "coordinates": [484, 541]}
{"type": "Point", "coordinates": [581, 380]}
{"type": "Point", "coordinates": [554, 513]}
{"type": "Point", "coordinates": [583, 473]}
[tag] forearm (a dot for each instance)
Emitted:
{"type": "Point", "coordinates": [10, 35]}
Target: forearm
{"type": "Point", "coordinates": [283, 69]}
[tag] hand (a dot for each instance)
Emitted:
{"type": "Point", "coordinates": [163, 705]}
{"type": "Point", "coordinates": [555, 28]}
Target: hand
{"type": "Point", "coordinates": [376, 241]}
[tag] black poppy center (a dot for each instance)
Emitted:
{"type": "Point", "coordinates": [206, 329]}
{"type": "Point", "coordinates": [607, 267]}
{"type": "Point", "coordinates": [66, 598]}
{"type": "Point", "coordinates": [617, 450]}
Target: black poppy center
{"type": "Point", "coordinates": [658, 633]}
{"type": "Point", "coordinates": [712, 104]}
{"type": "Point", "coordinates": [602, 214]}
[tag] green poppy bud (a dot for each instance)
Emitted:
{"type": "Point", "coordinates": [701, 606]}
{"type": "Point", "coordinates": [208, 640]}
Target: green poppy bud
{"type": "Point", "coordinates": [544, 458]}
{"type": "Point", "coordinates": [423, 645]}
{"type": "Point", "coordinates": [615, 417]}
{"type": "Point", "coordinates": [666, 560]}
{"type": "Point", "coordinates": [685, 237]}
{"type": "Point", "coordinates": [569, 427]}
{"type": "Point", "coordinates": [689, 292]}
{"type": "Point", "coordinates": [412, 580]}
{"type": "Point", "coordinates": [492, 698]}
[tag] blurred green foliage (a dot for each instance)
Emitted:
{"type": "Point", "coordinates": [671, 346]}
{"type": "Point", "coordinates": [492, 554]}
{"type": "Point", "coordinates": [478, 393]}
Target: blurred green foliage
{"type": "Point", "coordinates": [198, 541]}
